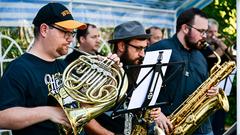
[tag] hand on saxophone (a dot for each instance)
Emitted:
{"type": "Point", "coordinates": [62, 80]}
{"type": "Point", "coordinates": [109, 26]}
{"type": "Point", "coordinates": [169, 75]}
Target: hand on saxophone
{"type": "Point", "coordinates": [155, 113]}
{"type": "Point", "coordinates": [213, 91]}
{"type": "Point", "coordinates": [57, 115]}
{"type": "Point", "coordinates": [164, 123]}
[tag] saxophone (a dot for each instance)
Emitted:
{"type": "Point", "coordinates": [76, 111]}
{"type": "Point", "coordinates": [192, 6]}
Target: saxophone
{"type": "Point", "coordinates": [90, 87]}
{"type": "Point", "coordinates": [142, 127]}
{"type": "Point", "coordinates": [198, 106]}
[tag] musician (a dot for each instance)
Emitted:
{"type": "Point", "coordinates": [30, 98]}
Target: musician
{"type": "Point", "coordinates": [215, 43]}
{"type": "Point", "coordinates": [156, 34]}
{"type": "Point", "coordinates": [24, 104]}
{"type": "Point", "coordinates": [129, 41]}
{"type": "Point", "coordinates": [191, 27]}
{"type": "Point", "coordinates": [88, 41]}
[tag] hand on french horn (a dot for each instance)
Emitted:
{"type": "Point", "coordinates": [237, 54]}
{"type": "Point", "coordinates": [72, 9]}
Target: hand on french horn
{"type": "Point", "coordinates": [213, 91]}
{"type": "Point", "coordinates": [164, 123]}
{"type": "Point", "coordinates": [57, 115]}
{"type": "Point", "coordinates": [112, 57]}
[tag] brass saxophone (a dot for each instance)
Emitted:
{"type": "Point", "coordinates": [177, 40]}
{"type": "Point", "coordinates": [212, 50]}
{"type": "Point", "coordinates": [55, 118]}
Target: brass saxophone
{"type": "Point", "coordinates": [197, 107]}
{"type": "Point", "coordinates": [141, 128]}
{"type": "Point", "coordinates": [90, 87]}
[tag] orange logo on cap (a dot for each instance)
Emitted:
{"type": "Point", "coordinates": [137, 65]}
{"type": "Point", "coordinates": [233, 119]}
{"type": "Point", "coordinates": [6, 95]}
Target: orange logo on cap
{"type": "Point", "coordinates": [65, 12]}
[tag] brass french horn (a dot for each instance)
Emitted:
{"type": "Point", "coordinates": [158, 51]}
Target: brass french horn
{"type": "Point", "coordinates": [90, 87]}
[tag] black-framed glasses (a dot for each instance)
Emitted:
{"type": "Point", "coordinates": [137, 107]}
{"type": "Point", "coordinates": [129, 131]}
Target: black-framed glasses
{"type": "Point", "coordinates": [138, 48]}
{"type": "Point", "coordinates": [67, 34]}
{"type": "Point", "coordinates": [201, 31]}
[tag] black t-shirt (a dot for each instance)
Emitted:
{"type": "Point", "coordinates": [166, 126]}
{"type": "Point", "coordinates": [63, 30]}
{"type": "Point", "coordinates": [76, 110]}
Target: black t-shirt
{"type": "Point", "coordinates": [26, 83]}
{"type": "Point", "coordinates": [73, 56]}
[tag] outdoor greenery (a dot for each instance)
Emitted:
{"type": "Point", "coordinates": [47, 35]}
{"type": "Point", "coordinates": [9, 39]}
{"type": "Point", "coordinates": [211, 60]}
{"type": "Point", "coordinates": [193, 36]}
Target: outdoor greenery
{"type": "Point", "coordinates": [221, 10]}
{"type": "Point", "coordinates": [224, 11]}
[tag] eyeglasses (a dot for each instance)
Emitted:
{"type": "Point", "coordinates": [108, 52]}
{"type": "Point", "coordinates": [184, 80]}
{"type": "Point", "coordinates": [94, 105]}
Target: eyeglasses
{"type": "Point", "coordinates": [202, 31]}
{"type": "Point", "coordinates": [138, 48]}
{"type": "Point", "coordinates": [67, 34]}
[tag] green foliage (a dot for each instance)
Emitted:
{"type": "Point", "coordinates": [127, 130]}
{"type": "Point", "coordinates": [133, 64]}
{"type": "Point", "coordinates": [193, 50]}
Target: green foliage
{"type": "Point", "coordinates": [106, 34]}
{"type": "Point", "coordinates": [232, 114]}
{"type": "Point", "coordinates": [15, 34]}
{"type": "Point", "coordinates": [225, 13]}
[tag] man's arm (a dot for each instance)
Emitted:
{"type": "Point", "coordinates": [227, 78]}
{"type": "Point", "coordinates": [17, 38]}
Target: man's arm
{"type": "Point", "coordinates": [94, 128]}
{"type": "Point", "coordinates": [220, 46]}
{"type": "Point", "coordinates": [21, 117]}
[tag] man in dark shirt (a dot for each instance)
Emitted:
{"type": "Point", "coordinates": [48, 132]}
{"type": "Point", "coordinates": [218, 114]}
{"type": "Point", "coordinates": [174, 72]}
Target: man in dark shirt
{"type": "Point", "coordinates": [24, 104]}
{"type": "Point", "coordinates": [88, 41]}
{"type": "Point", "coordinates": [129, 40]}
{"type": "Point", "coordinates": [191, 29]}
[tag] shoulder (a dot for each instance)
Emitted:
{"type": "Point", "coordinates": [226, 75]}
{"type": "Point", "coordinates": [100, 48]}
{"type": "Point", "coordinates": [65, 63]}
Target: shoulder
{"type": "Point", "coordinates": [72, 56]}
{"type": "Point", "coordinates": [19, 63]}
{"type": "Point", "coordinates": [161, 45]}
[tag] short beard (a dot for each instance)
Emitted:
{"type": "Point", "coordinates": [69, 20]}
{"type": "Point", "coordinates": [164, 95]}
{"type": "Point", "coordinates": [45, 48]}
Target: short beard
{"type": "Point", "coordinates": [188, 41]}
{"type": "Point", "coordinates": [125, 59]}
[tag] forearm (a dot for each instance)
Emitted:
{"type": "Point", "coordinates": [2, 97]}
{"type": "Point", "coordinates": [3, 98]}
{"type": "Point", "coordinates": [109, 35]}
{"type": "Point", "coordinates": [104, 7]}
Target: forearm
{"type": "Point", "coordinates": [221, 47]}
{"type": "Point", "coordinates": [20, 117]}
{"type": "Point", "coordinates": [94, 128]}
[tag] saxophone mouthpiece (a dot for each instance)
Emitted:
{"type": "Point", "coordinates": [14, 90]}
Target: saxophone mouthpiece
{"type": "Point", "coordinates": [207, 45]}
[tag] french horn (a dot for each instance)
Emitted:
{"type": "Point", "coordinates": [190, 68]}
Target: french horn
{"type": "Point", "coordinates": [90, 87]}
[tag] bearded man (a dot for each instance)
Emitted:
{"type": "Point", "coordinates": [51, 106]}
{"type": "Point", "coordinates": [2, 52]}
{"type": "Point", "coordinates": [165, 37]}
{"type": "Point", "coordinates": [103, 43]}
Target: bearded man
{"type": "Point", "coordinates": [191, 27]}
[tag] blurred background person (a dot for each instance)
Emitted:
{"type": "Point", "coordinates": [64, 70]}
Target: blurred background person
{"type": "Point", "coordinates": [215, 43]}
{"type": "Point", "coordinates": [88, 41]}
{"type": "Point", "coordinates": [156, 34]}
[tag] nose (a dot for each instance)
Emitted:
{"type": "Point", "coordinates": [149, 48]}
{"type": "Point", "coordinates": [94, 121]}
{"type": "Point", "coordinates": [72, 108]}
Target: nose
{"type": "Point", "coordinates": [142, 53]}
{"type": "Point", "coordinates": [70, 39]}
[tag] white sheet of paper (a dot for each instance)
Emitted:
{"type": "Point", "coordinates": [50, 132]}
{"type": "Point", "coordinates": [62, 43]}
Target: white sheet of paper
{"type": "Point", "coordinates": [140, 92]}
{"type": "Point", "coordinates": [226, 83]}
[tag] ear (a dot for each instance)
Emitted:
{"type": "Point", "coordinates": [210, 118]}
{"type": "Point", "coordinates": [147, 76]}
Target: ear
{"type": "Point", "coordinates": [185, 28]}
{"type": "Point", "coordinates": [82, 39]}
{"type": "Point", "coordinates": [44, 28]}
{"type": "Point", "coordinates": [121, 47]}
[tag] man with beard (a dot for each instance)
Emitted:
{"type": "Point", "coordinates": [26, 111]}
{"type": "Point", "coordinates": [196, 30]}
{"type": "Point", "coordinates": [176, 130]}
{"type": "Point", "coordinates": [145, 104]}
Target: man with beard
{"type": "Point", "coordinates": [191, 28]}
{"type": "Point", "coordinates": [129, 40]}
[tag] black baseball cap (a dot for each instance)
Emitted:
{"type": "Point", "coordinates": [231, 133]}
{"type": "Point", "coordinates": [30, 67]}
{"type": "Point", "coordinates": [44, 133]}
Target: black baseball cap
{"type": "Point", "coordinates": [56, 13]}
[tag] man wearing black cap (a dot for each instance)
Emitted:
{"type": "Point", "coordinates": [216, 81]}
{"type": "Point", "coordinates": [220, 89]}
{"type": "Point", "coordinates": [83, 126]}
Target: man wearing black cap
{"type": "Point", "coordinates": [28, 79]}
{"type": "Point", "coordinates": [129, 40]}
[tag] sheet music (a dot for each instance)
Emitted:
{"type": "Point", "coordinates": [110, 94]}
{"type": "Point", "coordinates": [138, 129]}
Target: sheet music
{"type": "Point", "coordinates": [140, 92]}
{"type": "Point", "coordinates": [226, 83]}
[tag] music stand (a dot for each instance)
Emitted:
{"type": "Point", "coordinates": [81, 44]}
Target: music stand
{"type": "Point", "coordinates": [153, 76]}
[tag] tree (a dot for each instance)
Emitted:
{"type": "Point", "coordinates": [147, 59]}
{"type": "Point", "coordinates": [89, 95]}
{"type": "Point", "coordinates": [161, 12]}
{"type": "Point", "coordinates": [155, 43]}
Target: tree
{"type": "Point", "coordinates": [225, 13]}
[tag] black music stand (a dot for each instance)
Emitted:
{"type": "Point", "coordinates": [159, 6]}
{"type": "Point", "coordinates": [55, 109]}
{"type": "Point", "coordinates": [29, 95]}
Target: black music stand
{"type": "Point", "coordinates": [156, 69]}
